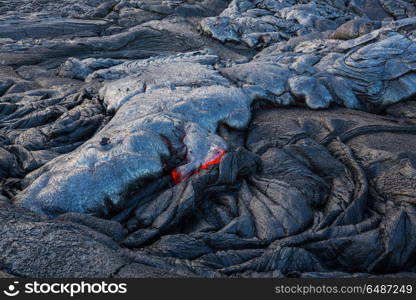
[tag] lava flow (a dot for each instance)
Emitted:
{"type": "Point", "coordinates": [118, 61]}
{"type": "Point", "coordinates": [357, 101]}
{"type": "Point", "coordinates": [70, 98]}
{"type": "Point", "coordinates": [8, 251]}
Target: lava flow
{"type": "Point", "coordinates": [178, 177]}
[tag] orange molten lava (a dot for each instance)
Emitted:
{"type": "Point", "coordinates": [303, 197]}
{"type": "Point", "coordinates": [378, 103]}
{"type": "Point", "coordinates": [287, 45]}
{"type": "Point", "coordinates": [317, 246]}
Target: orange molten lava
{"type": "Point", "coordinates": [178, 177]}
{"type": "Point", "coordinates": [215, 161]}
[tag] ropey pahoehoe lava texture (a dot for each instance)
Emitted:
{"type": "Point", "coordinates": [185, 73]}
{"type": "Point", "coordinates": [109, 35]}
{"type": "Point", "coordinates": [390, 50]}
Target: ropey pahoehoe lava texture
{"type": "Point", "coordinates": [208, 138]}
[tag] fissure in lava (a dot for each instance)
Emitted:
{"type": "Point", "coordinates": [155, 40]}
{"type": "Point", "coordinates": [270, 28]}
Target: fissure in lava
{"type": "Point", "coordinates": [178, 177]}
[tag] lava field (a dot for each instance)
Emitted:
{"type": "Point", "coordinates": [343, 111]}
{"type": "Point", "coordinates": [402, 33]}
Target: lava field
{"type": "Point", "coordinates": [207, 138]}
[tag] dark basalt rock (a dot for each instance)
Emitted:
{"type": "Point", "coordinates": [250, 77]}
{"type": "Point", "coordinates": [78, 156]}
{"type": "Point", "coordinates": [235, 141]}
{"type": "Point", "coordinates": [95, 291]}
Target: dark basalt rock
{"type": "Point", "coordinates": [178, 138]}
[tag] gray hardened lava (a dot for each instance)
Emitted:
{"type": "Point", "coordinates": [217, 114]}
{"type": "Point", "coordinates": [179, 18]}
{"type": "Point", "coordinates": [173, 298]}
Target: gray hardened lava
{"type": "Point", "coordinates": [207, 138]}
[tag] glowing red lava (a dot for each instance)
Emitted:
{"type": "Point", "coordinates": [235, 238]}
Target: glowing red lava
{"type": "Point", "coordinates": [215, 161]}
{"type": "Point", "coordinates": [178, 177]}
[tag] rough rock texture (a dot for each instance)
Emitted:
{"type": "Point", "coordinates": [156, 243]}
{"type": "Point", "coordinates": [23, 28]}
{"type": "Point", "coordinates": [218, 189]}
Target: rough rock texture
{"type": "Point", "coordinates": [260, 23]}
{"type": "Point", "coordinates": [240, 138]}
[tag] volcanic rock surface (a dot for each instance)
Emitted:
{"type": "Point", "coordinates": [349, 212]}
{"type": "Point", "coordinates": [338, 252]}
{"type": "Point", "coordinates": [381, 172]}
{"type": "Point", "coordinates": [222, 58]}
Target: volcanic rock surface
{"type": "Point", "coordinates": [208, 138]}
